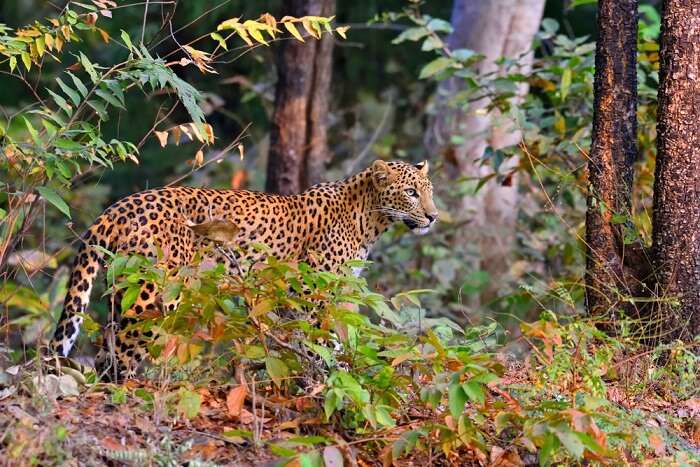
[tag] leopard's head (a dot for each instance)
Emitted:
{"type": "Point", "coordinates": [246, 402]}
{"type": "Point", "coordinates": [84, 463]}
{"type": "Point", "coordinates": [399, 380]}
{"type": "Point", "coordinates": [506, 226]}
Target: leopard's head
{"type": "Point", "coordinates": [405, 194]}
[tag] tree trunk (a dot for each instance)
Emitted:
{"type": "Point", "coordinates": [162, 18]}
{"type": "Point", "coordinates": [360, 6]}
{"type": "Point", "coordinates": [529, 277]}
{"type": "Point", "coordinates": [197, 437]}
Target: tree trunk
{"type": "Point", "coordinates": [298, 148]}
{"type": "Point", "coordinates": [676, 218]}
{"type": "Point", "coordinates": [496, 28]}
{"type": "Point", "coordinates": [613, 152]}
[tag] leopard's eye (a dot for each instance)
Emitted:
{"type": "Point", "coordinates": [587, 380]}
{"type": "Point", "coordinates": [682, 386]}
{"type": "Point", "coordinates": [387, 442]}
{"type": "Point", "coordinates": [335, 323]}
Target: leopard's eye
{"type": "Point", "coordinates": [411, 192]}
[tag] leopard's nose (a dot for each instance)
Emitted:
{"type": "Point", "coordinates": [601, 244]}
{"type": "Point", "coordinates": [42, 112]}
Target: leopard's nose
{"type": "Point", "coordinates": [432, 217]}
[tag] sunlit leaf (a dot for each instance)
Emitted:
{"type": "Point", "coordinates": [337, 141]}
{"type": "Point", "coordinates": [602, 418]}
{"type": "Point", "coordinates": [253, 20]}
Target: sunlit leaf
{"type": "Point", "coordinates": [52, 197]}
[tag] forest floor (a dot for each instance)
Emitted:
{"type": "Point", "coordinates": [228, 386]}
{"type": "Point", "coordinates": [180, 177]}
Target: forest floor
{"type": "Point", "coordinates": [134, 424]}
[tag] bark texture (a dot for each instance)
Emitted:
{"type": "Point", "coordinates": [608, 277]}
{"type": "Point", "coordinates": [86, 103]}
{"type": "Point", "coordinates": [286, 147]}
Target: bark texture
{"type": "Point", "coordinates": [612, 155]}
{"type": "Point", "coordinates": [676, 218]}
{"type": "Point", "coordinates": [298, 148]}
{"type": "Point", "coordinates": [495, 28]}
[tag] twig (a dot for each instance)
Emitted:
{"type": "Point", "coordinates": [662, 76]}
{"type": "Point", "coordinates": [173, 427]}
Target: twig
{"type": "Point", "coordinates": [220, 156]}
{"type": "Point", "coordinates": [143, 26]}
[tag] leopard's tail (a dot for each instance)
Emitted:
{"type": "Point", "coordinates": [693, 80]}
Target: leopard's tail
{"type": "Point", "coordinates": [88, 261]}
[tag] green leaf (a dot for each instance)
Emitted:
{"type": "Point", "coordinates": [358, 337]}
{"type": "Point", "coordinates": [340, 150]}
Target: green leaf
{"type": "Point", "coordinates": [383, 416]}
{"type": "Point", "coordinates": [333, 402]}
{"type": "Point", "coordinates": [189, 404]}
{"type": "Point", "coordinates": [172, 291]}
{"type": "Point", "coordinates": [13, 63]}
{"type": "Point", "coordinates": [435, 67]}
{"type": "Point", "coordinates": [118, 395]}
{"type": "Point", "coordinates": [217, 37]}
{"type": "Point", "coordinates": [99, 108]}
{"type": "Point", "coordinates": [431, 43]}
{"type": "Point", "coordinates": [565, 83]}
{"type": "Point", "coordinates": [67, 144]}
{"type": "Point", "coordinates": [322, 351]}
{"type": "Point", "coordinates": [277, 369]}
{"type": "Point", "coordinates": [89, 68]}
{"type": "Point", "coordinates": [310, 459]}
{"type": "Point", "coordinates": [549, 447]}
{"type": "Point", "coordinates": [463, 55]}
{"type": "Point", "coordinates": [115, 269]}
{"type": "Point", "coordinates": [68, 91]}
{"type": "Point", "coordinates": [51, 129]}
{"type": "Point", "coordinates": [127, 40]}
{"type": "Point", "coordinates": [107, 96]}
{"type": "Point", "coordinates": [61, 102]}
{"type": "Point", "coordinates": [130, 296]}
{"type": "Point", "coordinates": [78, 84]}
{"type": "Point", "coordinates": [475, 391]}
{"type": "Point", "coordinates": [456, 398]}
{"type": "Point", "coordinates": [571, 442]}
{"type": "Point", "coordinates": [33, 133]}
{"type": "Point", "coordinates": [116, 89]}
{"type": "Point", "coordinates": [411, 34]}
{"type": "Point", "coordinates": [52, 197]}
{"type": "Point", "coordinates": [439, 25]}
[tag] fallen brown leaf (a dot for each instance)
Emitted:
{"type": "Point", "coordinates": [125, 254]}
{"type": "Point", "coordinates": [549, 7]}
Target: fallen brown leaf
{"type": "Point", "coordinates": [235, 400]}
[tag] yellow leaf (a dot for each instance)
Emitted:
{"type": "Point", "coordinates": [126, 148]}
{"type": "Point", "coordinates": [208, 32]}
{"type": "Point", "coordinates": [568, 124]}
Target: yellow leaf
{"type": "Point", "coordinates": [228, 24]}
{"type": "Point", "coordinates": [40, 45]}
{"type": "Point", "coordinates": [293, 31]}
{"type": "Point", "coordinates": [401, 358]}
{"type": "Point", "coordinates": [270, 20]}
{"type": "Point", "coordinates": [262, 307]}
{"type": "Point", "coordinates": [184, 129]}
{"type": "Point", "coordinates": [342, 30]}
{"type": "Point", "coordinates": [162, 137]}
{"type": "Point", "coordinates": [244, 35]}
{"type": "Point", "coordinates": [241, 150]}
{"type": "Point", "coordinates": [26, 60]}
{"type": "Point", "coordinates": [199, 157]}
{"type": "Point", "coordinates": [254, 31]}
{"type": "Point", "coordinates": [310, 28]}
{"type": "Point", "coordinates": [183, 353]}
{"type": "Point", "coordinates": [197, 133]}
{"type": "Point", "coordinates": [48, 40]}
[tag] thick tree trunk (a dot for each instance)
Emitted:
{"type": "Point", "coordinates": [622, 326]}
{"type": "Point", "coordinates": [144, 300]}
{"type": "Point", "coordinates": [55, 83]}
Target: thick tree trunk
{"type": "Point", "coordinates": [496, 28]}
{"type": "Point", "coordinates": [613, 152]}
{"type": "Point", "coordinates": [676, 217]}
{"type": "Point", "coordinates": [298, 148]}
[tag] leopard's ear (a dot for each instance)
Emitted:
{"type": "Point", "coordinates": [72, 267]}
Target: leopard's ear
{"type": "Point", "coordinates": [423, 167]}
{"type": "Point", "coordinates": [382, 174]}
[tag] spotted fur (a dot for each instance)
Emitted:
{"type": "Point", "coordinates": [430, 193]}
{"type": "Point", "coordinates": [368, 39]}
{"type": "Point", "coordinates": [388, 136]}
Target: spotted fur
{"type": "Point", "coordinates": [325, 226]}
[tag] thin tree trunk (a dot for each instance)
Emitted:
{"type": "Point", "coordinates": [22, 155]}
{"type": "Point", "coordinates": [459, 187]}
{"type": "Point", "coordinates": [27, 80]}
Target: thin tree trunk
{"type": "Point", "coordinates": [676, 218]}
{"type": "Point", "coordinates": [298, 149]}
{"type": "Point", "coordinates": [496, 28]}
{"type": "Point", "coordinates": [612, 155]}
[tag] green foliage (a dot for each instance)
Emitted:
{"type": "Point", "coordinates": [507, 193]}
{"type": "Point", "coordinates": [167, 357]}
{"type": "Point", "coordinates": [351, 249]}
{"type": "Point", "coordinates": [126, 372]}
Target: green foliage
{"type": "Point", "coordinates": [290, 331]}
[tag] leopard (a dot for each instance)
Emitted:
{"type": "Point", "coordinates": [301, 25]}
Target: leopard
{"type": "Point", "coordinates": [325, 226]}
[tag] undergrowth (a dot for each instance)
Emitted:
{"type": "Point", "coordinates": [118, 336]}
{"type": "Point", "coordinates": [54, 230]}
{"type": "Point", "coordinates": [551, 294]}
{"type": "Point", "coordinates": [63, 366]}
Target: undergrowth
{"type": "Point", "coordinates": [289, 349]}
